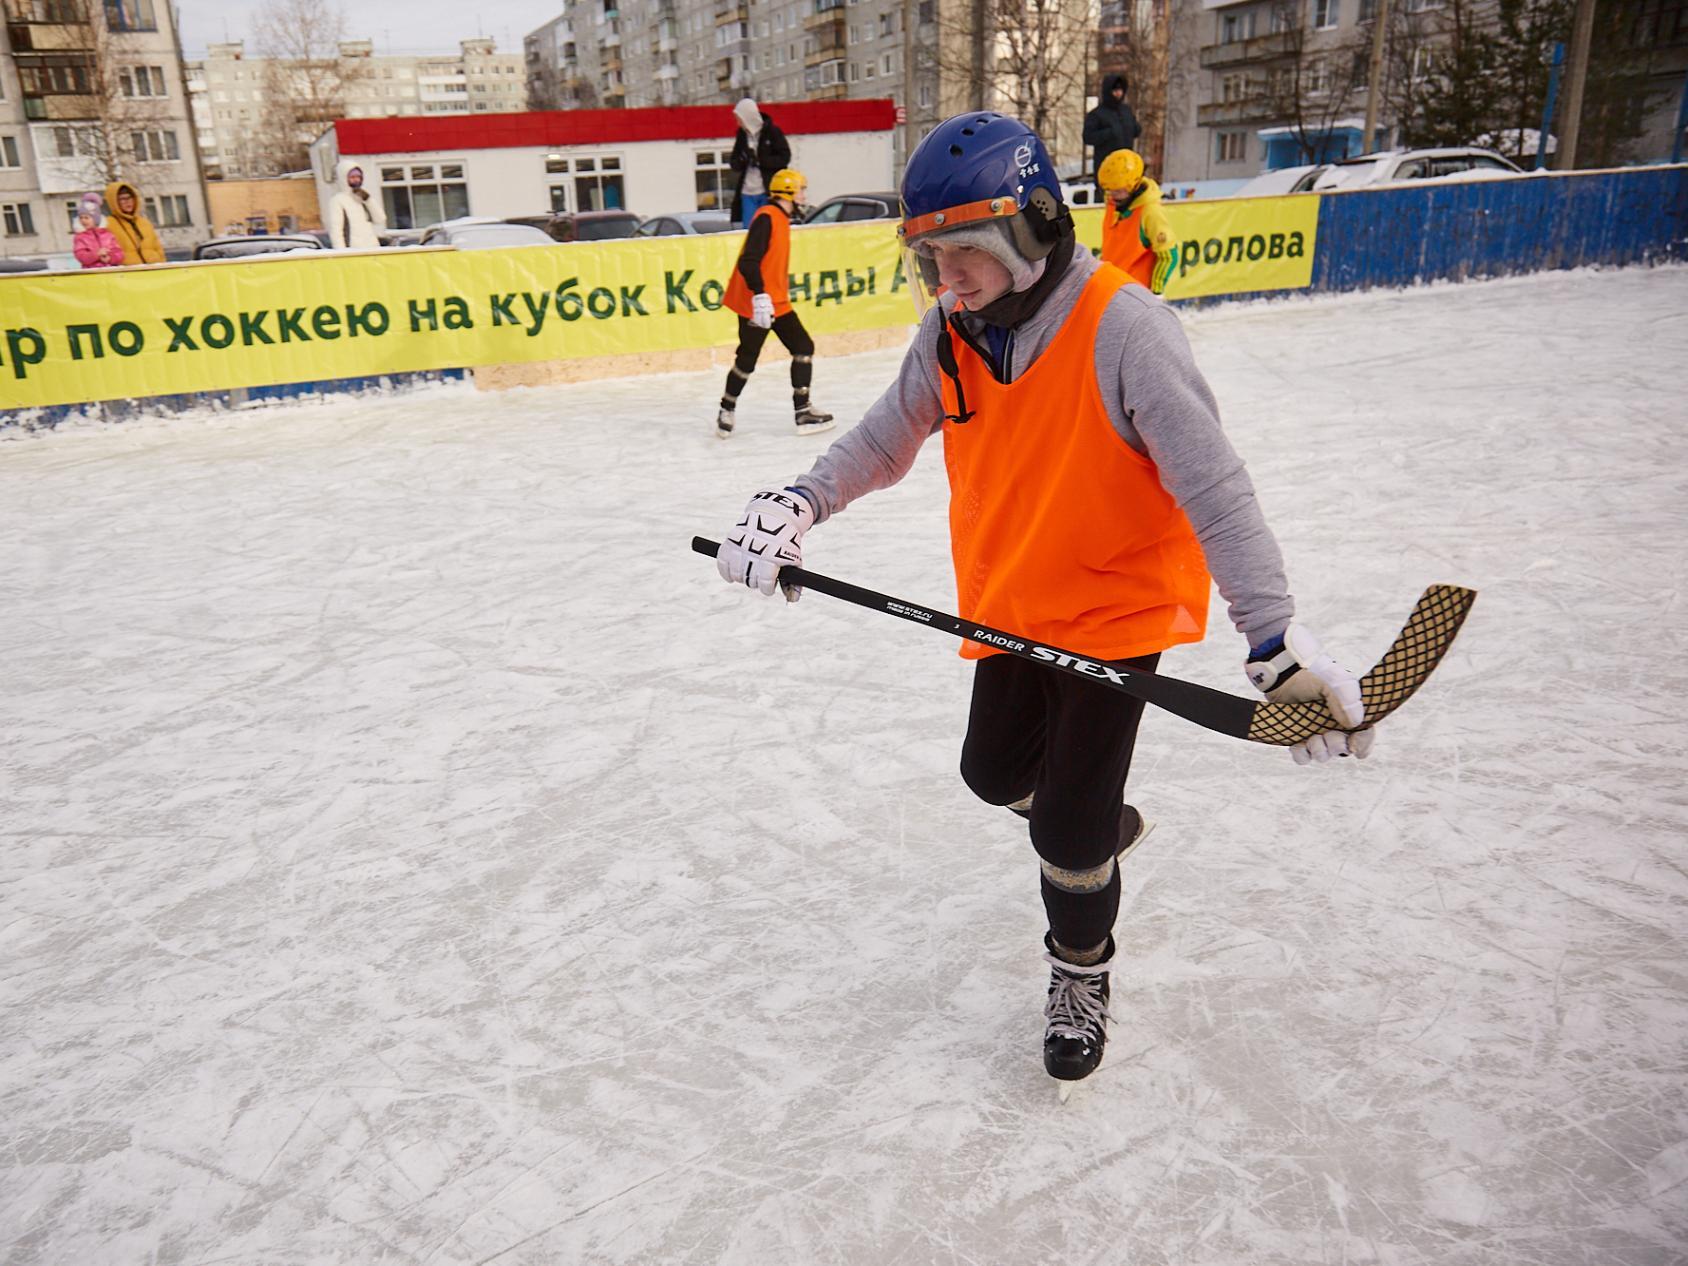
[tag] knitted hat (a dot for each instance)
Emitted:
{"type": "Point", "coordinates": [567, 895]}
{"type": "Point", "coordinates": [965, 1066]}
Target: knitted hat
{"type": "Point", "coordinates": [996, 239]}
{"type": "Point", "coordinates": [90, 204]}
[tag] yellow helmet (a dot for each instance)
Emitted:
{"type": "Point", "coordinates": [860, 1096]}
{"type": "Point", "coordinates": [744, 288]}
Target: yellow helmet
{"type": "Point", "coordinates": [1122, 169]}
{"type": "Point", "coordinates": [788, 183]}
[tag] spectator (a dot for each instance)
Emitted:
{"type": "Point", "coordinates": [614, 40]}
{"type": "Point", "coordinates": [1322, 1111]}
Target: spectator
{"type": "Point", "coordinates": [1112, 124]}
{"type": "Point", "coordinates": [355, 220]}
{"type": "Point", "coordinates": [759, 150]}
{"type": "Point", "coordinates": [95, 247]}
{"type": "Point", "coordinates": [133, 231]}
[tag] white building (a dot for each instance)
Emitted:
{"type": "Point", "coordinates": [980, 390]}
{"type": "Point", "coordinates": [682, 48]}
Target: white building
{"type": "Point", "coordinates": [648, 161]}
{"type": "Point", "coordinates": [228, 93]}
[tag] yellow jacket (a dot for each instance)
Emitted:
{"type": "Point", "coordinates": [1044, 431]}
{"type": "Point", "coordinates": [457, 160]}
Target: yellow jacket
{"type": "Point", "coordinates": [1138, 228]}
{"type": "Point", "coordinates": [134, 232]}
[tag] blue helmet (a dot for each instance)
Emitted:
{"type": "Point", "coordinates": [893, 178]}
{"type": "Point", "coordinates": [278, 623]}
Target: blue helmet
{"type": "Point", "coordinates": [982, 165]}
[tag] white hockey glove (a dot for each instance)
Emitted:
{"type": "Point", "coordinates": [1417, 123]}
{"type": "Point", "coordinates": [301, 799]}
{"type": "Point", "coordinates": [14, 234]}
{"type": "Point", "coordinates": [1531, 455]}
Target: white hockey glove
{"type": "Point", "coordinates": [767, 538]}
{"type": "Point", "coordinates": [1300, 672]}
{"type": "Point", "coordinates": [762, 312]}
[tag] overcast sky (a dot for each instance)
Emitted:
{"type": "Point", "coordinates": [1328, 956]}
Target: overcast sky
{"type": "Point", "coordinates": [396, 26]}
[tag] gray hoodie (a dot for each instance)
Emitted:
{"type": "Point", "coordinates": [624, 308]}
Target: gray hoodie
{"type": "Point", "coordinates": [1158, 402]}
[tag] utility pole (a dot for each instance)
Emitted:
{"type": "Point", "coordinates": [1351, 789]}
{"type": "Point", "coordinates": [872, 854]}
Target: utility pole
{"type": "Point", "coordinates": [1374, 95]}
{"type": "Point", "coordinates": [1576, 77]}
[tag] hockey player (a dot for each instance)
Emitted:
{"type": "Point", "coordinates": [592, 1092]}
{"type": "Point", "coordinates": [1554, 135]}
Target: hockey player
{"type": "Point", "coordinates": [757, 292]}
{"type": "Point", "coordinates": [1091, 491]}
{"type": "Point", "coordinates": [1136, 237]}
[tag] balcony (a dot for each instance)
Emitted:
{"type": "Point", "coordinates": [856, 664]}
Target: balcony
{"type": "Point", "coordinates": [1261, 48]}
{"type": "Point", "coordinates": [829, 92]}
{"type": "Point", "coordinates": [1223, 113]}
{"type": "Point", "coordinates": [60, 108]}
{"type": "Point", "coordinates": [726, 14]}
{"type": "Point", "coordinates": [825, 20]}
{"type": "Point", "coordinates": [832, 50]}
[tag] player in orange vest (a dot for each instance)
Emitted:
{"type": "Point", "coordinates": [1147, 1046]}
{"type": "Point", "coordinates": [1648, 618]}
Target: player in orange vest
{"type": "Point", "coordinates": [1136, 236]}
{"type": "Point", "coordinates": [758, 293]}
{"type": "Point", "coordinates": [1092, 492]}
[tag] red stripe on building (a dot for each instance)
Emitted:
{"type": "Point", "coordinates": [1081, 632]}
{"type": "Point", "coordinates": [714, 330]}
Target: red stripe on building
{"type": "Point", "coordinates": [556, 129]}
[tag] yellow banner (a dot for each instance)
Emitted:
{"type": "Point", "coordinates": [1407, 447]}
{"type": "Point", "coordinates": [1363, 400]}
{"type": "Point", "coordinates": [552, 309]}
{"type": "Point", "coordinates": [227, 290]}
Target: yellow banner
{"type": "Point", "coordinates": [67, 338]}
{"type": "Point", "coordinates": [1232, 246]}
{"type": "Point", "coordinates": [72, 337]}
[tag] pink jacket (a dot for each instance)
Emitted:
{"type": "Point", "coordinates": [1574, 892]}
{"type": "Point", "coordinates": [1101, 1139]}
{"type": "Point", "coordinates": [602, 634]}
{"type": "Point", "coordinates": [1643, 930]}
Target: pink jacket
{"type": "Point", "coordinates": [87, 247]}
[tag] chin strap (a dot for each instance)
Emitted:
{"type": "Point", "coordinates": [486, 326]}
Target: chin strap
{"type": "Point", "coordinates": [946, 362]}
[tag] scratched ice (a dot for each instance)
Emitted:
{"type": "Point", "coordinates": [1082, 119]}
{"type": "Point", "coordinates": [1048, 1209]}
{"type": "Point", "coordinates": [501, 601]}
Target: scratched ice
{"type": "Point", "coordinates": [411, 853]}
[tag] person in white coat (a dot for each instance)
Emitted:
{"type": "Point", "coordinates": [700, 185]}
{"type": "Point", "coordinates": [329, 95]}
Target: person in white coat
{"type": "Point", "coordinates": [356, 217]}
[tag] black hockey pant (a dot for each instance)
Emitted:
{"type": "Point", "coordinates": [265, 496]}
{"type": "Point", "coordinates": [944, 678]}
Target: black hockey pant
{"type": "Point", "coordinates": [1070, 741]}
{"type": "Point", "coordinates": [790, 331]}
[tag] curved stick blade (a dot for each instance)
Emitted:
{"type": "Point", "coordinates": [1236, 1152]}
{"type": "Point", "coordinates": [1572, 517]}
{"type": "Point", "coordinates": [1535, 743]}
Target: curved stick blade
{"type": "Point", "coordinates": [1429, 631]}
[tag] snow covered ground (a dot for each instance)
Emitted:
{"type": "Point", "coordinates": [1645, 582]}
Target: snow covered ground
{"type": "Point", "coordinates": [411, 852]}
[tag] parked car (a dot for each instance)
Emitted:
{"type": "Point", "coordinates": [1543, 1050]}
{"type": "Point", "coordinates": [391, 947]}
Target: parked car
{"type": "Point", "coordinates": [686, 224]}
{"type": "Point", "coordinates": [581, 226]}
{"type": "Point", "coordinates": [1081, 191]}
{"type": "Point", "coordinates": [484, 235]}
{"type": "Point", "coordinates": [64, 262]}
{"type": "Point", "coordinates": [401, 237]}
{"type": "Point", "coordinates": [1393, 166]}
{"type": "Point", "coordinates": [856, 206]}
{"type": "Point", "coordinates": [245, 244]}
{"type": "Point", "coordinates": [1270, 184]}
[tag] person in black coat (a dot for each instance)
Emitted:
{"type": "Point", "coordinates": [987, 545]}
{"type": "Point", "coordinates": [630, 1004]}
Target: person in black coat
{"type": "Point", "coordinates": [759, 150]}
{"type": "Point", "coordinates": [1112, 124]}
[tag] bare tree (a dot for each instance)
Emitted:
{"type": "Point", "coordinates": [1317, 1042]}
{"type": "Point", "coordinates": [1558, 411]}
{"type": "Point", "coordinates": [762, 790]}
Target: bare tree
{"type": "Point", "coordinates": [1311, 85]}
{"type": "Point", "coordinates": [1027, 58]}
{"type": "Point", "coordinates": [1134, 39]}
{"type": "Point", "coordinates": [117, 111]}
{"type": "Point", "coordinates": [305, 79]}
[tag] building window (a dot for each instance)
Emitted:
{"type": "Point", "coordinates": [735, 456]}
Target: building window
{"type": "Point", "coordinates": [157, 146]}
{"type": "Point", "coordinates": [596, 185]}
{"type": "Point", "coordinates": [167, 211]}
{"type": "Point", "coordinates": [1362, 72]}
{"type": "Point", "coordinates": [9, 152]}
{"type": "Point", "coordinates": [714, 179]}
{"type": "Point", "coordinates": [141, 81]}
{"type": "Point", "coordinates": [1318, 77]}
{"type": "Point", "coordinates": [131, 15]}
{"type": "Point", "coordinates": [1233, 88]}
{"type": "Point", "coordinates": [1325, 13]}
{"type": "Point", "coordinates": [1368, 10]}
{"type": "Point", "coordinates": [925, 95]}
{"type": "Point", "coordinates": [423, 194]}
{"type": "Point", "coordinates": [1233, 147]}
{"type": "Point", "coordinates": [16, 219]}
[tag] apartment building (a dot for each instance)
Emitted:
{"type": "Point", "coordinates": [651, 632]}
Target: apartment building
{"type": "Point", "coordinates": [638, 53]}
{"type": "Point", "coordinates": [228, 89]}
{"type": "Point", "coordinates": [92, 91]}
{"type": "Point", "coordinates": [1255, 79]}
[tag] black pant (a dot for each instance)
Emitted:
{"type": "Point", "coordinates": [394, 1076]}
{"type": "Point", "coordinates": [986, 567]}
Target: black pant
{"type": "Point", "coordinates": [789, 329]}
{"type": "Point", "coordinates": [1069, 740]}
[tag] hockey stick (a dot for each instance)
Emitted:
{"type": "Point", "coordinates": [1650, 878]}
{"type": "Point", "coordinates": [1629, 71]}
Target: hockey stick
{"type": "Point", "coordinates": [1416, 651]}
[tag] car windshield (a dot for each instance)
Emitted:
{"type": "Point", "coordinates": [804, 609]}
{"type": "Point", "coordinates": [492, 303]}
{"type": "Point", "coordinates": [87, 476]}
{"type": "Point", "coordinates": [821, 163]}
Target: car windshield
{"type": "Point", "coordinates": [600, 230]}
{"type": "Point", "coordinates": [472, 237]}
{"type": "Point", "coordinates": [712, 224]}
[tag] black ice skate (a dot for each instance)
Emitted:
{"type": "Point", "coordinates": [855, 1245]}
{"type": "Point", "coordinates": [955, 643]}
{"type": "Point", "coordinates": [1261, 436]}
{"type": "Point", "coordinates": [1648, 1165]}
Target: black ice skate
{"type": "Point", "coordinates": [811, 421]}
{"type": "Point", "coordinates": [1077, 1011]}
{"type": "Point", "coordinates": [724, 423]}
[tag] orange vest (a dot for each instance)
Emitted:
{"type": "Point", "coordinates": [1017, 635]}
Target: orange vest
{"type": "Point", "coordinates": [1122, 243]}
{"type": "Point", "coordinates": [775, 266]}
{"type": "Point", "coordinates": [1061, 531]}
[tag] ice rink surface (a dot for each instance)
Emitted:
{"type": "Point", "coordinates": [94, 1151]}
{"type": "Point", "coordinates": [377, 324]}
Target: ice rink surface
{"type": "Point", "coordinates": [411, 853]}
